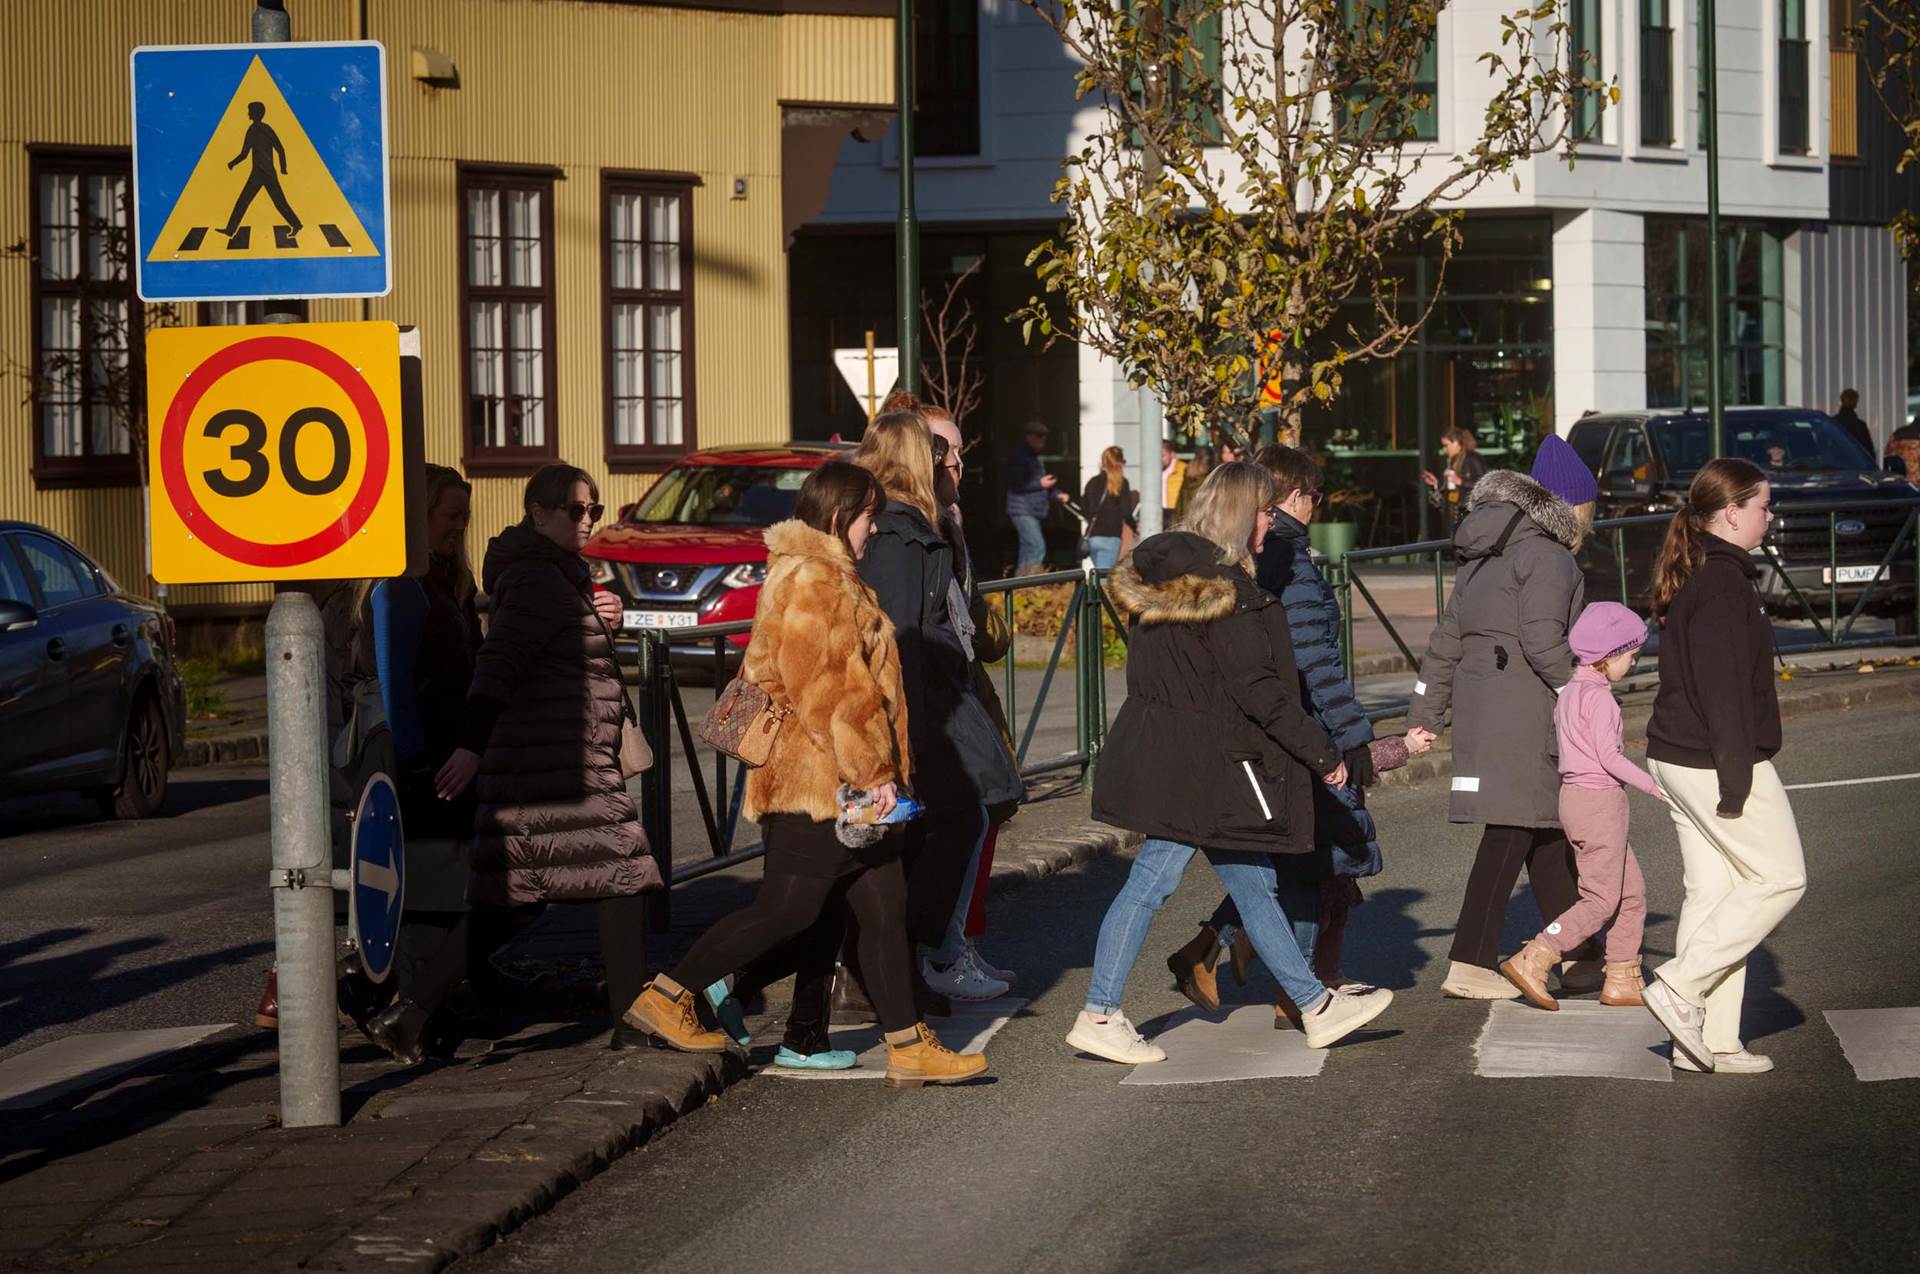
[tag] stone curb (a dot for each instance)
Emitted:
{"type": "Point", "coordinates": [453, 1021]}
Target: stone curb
{"type": "Point", "coordinates": [222, 751]}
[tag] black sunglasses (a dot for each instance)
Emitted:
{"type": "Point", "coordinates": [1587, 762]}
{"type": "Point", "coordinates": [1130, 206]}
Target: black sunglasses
{"type": "Point", "coordinates": [576, 511]}
{"type": "Point", "coordinates": [939, 449]}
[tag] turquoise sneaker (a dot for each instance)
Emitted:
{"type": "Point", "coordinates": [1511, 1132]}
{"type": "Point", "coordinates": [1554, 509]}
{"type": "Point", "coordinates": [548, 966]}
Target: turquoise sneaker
{"type": "Point", "coordinates": [836, 1059]}
{"type": "Point", "coordinates": [732, 1019]}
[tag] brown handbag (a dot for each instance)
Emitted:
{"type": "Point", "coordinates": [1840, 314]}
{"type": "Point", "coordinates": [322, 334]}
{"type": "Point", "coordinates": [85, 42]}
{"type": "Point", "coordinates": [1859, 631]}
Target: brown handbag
{"type": "Point", "coordinates": [636, 755]}
{"type": "Point", "coordinates": [743, 723]}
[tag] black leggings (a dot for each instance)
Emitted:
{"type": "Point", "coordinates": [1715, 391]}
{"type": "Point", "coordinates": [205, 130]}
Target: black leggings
{"type": "Point", "coordinates": [789, 905]}
{"type": "Point", "coordinates": [1548, 858]}
{"type": "Point", "coordinates": [485, 929]}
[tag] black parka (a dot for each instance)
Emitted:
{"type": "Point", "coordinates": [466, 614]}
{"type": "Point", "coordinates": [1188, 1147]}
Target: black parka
{"type": "Point", "coordinates": [1212, 747]}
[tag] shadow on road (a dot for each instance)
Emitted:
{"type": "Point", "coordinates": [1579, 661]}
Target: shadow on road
{"type": "Point", "coordinates": [75, 987]}
{"type": "Point", "coordinates": [26, 816]}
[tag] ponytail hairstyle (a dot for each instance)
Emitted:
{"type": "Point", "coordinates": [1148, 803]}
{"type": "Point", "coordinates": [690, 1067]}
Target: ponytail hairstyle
{"type": "Point", "coordinates": [1113, 463]}
{"type": "Point", "coordinates": [898, 449]}
{"type": "Point", "coordinates": [1722, 482]}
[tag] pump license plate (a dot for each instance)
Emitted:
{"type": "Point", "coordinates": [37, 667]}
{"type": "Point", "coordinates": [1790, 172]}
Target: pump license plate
{"type": "Point", "coordinates": [658, 619]}
{"type": "Point", "coordinates": [1852, 574]}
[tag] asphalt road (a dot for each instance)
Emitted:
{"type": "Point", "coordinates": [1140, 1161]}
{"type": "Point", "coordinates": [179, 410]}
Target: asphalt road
{"type": "Point", "coordinates": [1397, 1155]}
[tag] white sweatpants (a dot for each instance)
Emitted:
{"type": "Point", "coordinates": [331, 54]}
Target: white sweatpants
{"type": "Point", "coordinates": [1743, 875]}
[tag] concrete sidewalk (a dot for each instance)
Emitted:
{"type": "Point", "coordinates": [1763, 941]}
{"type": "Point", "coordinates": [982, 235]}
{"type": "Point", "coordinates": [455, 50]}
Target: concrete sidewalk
{"type": "Point", "coordinates": [177, 1161]}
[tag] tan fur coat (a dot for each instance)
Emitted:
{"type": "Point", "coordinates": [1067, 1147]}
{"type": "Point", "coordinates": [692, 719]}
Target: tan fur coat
{"type": "Point", "coordinates": [822, 645]}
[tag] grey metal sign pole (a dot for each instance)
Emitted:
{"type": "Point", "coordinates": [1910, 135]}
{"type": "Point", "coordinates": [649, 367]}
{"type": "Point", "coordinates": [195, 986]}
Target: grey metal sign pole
{"type": "Point", "coordinates": [302, 876]}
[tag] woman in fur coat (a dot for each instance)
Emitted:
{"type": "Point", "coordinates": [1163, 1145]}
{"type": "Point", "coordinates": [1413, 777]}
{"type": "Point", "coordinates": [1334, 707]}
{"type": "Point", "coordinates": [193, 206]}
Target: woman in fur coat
{"type": "Point", "coordinates": [823, 650]}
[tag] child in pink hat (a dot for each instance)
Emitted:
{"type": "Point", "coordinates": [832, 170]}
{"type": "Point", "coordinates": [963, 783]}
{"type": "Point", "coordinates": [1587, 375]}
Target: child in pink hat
{"type": "Point", "coordinates": [1593, 810]}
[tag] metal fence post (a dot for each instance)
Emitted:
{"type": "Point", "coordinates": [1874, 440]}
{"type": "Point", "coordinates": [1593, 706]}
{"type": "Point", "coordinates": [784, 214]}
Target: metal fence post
{"type": "Point", "coordinates": [656, 785]}
{"type": "Point", "coordinates": [302, 876]}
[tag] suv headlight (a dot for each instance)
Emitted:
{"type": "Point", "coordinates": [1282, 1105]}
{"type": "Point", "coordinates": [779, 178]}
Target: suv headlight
{"type": "Point", "coordinates": [745, 575]}
{"type": "Point", "coordinates": [600, 570]}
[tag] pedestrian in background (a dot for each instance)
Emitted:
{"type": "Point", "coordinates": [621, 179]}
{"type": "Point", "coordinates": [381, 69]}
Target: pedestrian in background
{"type": "Point", "coordinates": [1212, 753]}
{"type": "Point", "coordinates": [1030, 494]}
{"type": "Point", "coordinates": [1848, 418]}
{"type": "Point", "coordinates": [1173, 472]}
{"type": "Point", "coordinates": [823, 651]}
{"type": "Point", "coordinates": [1452, 491]}
{"type": "Point", "coordinates": [959, 763]}
{"type": "Point", "coordinates": [1111, 507]}
{"type": "Point", "coordinates": [1198, 468]}
{"type": "Point", "coordinates": [1594, 776]}
{"type": "Point", "coordinates": [1497, 660]}
{"type": "Point", "coordinates": [1346, 844]}
{"type": "Point", "coordinates": [1710, 743]}
{"type": "Point", "coordinates": [540, 746]}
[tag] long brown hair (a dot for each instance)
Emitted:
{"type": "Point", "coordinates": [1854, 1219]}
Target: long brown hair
{"type": "Point", "coordinates": [836, 494]}
{"type": "Point", "coordinates": [1461, 435]}
{"type": "Point", "coordinates": [898, 449]}
{"type": "Point", "coordinates": [1721, 482]}
{"type": "Point", "coordinates": [1113, 463]}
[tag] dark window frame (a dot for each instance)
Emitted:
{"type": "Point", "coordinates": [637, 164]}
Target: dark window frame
{"type": "Point", "coordinates": [1587, 61]}
{"type": "Point", "coordinates": [937, 95]}
{"type": "Point", "coordinates": [1656, 73]}
{"type": "Point", "coordinates": [88, 469]}
{"type": "Point", "coordinates": [1793, 83]}
{"type": "Point", "coordinates": [648, 457]}
{"type": "Point", "coordinates": [1425, 123]}
{"type": "Point", "coordinates": [522, 460]}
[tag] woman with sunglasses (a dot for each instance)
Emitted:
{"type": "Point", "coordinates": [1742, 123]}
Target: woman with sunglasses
{"type": "Point", "coordinates": [540, 745]}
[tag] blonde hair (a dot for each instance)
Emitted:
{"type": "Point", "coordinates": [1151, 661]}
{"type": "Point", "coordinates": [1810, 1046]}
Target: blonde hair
{"type": "Point", "coordinates": [1224, 508]}
{"type": "Point", "coordinates": [1113, 463]}
{"type": "Point", "coordinates": [1583, 521]}
{"type": "Point", "coordinates": [898, 450]}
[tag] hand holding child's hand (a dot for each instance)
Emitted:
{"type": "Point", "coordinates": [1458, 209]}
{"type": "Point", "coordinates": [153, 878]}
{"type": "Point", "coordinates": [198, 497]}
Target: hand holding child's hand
{"type": "Point", "coordinates": [1418, 741]}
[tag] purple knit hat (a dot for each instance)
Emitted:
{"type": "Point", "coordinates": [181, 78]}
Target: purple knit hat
{"type": "Point", "coordinates": [1559, 468]}
{"type": "Point", "coordinates": [1605, 629]}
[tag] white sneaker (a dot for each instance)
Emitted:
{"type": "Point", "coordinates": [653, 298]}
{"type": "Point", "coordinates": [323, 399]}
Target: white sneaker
{"type": "Point", "coordinates": [1738, 1063]}
{"type": "Point", "coordinates": [1471, 982]}
{"type": "Point", "coordinates": [1340, 1015]}
{"type": "Point", "coordinates": [1114, 1039]}
{"type": "Point", "coordinates": [993, 971]}
{"type": "Point", "coordinates": [962, 981]}
{"type": "Point", "coordinates": [1684, 1021]}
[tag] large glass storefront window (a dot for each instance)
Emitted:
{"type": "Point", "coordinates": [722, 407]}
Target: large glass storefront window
{"type": "Point", "coordinates": [1484, 361]}
{"type": "Point", "coordinates": [1753, 273]}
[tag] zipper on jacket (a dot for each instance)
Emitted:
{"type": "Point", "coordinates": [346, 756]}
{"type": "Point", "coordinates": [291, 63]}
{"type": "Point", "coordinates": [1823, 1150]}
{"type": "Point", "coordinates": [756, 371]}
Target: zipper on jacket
{"type": "Point", "coordinates": [1266, 811]}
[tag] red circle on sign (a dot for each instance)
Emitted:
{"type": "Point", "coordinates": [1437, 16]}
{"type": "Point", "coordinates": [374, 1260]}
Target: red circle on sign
{"type": "Point", "coordinates": [173, 434]}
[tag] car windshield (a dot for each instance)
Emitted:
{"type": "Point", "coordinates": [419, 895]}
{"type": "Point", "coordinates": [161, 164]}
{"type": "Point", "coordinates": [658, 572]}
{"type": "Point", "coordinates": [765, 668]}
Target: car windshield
{"type": "Point", "coordinates": [722, 495]}
{"type": "Point", "coordinates": [1775, 443]}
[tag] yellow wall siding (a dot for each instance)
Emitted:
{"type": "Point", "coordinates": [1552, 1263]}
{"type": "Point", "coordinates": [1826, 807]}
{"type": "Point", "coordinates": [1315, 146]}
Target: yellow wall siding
{"type": "Point", "coordinates": [579, 87]}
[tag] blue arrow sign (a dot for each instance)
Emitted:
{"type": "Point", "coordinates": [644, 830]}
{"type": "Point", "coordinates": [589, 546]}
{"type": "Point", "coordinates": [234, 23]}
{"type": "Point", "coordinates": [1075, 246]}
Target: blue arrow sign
{"type": "Point", "coordinates": [260, 170]}
{"type": "Point", "coordinates": [376, 892]}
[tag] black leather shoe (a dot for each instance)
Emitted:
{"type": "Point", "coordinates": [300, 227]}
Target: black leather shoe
{"type": "Point", "coordinates": [400, 1030]}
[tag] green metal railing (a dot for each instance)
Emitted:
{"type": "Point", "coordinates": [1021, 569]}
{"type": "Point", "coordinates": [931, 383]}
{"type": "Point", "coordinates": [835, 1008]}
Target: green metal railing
{"type": "Point", "coordinates": [664, 718]}
{"type": "Point", "coordinates": [1835, 633]}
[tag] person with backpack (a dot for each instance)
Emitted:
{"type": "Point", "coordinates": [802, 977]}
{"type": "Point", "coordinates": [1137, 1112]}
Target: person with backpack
{"type": "Point", "coordinates": [1496, 662]}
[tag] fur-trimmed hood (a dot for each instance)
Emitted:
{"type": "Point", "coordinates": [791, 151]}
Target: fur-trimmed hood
{"type": "Point", "coordinates": [1175, 577]}
{"type": "Point", "coordinates": [794, 538]}
{"type": "Point", "coordinates": [1506, 486]}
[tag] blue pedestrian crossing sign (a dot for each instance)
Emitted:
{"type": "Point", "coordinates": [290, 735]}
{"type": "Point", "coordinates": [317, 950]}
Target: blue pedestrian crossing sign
{"type": "Point", "coordinates": [260, 170]}
{"type": "Point", "coordinates": [377, 881]}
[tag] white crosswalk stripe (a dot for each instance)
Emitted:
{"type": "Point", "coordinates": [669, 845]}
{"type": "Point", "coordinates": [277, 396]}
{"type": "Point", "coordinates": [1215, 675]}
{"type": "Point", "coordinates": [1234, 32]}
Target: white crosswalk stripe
{"type": "Point", "coordinates": [1203, 1048]}
{"type": "Point", "coordinates": [1879, 1043]}
{"type": "Point", "coordinates": [41, 1075]}
{"type": "Point", "coordinates": [1583, 1039]}
{"type": "Point", "coordinates": [967, 1031]}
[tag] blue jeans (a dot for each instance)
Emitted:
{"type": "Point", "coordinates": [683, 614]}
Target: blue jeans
{"type": "Point", "coordinates": [1104, 550]}
{"type": "Point", "coordinates": [1033, 544]}
{"type": "Point", "coordinates": [1301, 902]}
{"type": "Point", "coordinates": [1250, 880]}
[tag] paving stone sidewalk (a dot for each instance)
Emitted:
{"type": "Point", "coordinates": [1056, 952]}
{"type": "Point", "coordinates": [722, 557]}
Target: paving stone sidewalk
{"type": "Point", "coordinates": [182, 1165]}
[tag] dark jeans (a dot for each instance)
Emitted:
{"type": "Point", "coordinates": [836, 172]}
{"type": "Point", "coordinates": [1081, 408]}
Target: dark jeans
{"type": "Point", "coordinates": [486, 928]}
{"type": "Point", "coordinates": [938, 851]}
{"type": "Point", "coordinates": [1548, 858]}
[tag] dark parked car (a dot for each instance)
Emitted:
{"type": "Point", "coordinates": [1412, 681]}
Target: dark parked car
{"type": "Point", "coordinates": [90, 693]}
{"type": "Point", "coordinates": [1644, 461]}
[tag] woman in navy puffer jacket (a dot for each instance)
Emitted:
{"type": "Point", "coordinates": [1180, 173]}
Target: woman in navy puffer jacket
{"type": "Point", "coordinates": [1346, 846]}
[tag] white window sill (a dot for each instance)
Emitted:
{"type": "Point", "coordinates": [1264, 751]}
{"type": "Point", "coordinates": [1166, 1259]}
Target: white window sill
{"type": "Point", "coordinates": [1798, 163]}
{"type": "Point", "coordinates": [1662, 154]}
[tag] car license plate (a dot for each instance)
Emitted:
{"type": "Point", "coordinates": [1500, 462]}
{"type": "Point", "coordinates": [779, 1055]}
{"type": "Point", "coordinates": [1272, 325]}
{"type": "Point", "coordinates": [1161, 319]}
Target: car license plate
{"type": "Point", "coordinates": [1852, 574]}
{"type": "Point", "coordinates": [658, 619]}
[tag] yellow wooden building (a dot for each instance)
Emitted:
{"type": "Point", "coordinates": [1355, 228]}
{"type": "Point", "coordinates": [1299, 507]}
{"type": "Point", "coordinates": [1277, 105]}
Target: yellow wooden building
{"type": "Point", "coordinates": [592, 202]}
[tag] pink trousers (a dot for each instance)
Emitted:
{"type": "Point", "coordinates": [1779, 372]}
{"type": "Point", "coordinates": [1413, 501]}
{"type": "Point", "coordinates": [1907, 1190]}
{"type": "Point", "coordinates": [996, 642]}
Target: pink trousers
{"type": "Point", "coordinates": [1613, 894]}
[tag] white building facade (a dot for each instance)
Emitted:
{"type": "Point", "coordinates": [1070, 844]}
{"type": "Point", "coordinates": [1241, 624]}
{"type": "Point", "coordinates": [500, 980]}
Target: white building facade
{"type": "Point", "coordinates": [1582, 289]}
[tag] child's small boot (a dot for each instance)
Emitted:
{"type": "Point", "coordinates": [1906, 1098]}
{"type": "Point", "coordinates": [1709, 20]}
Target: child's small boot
{"type": "Point", "coordinates": [1529, 969]}
{"type": "Point", "coordinates": [1623, 985]}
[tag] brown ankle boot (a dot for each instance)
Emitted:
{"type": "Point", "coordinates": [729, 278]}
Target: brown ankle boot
{"type": "Point", "coordinates": [1192, 969]}
{"type": "Point", "coordinates": [928, 1061]}
{"type": "Point", "coordinates": [672, 1021]}
{"type": "Point", "coordinates": [1529, 971]}
{"type": "Point", "coordinates": [1623, 985]}
{"type": "Point", "coordinates": [1286, 1014]}
{"type": "Point", "coordinates": [266, 1015]}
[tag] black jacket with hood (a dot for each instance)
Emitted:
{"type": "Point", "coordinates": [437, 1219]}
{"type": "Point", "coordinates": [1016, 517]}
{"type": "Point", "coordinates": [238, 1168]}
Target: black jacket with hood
{"type": "Point", "coordinates": [1212, 747]}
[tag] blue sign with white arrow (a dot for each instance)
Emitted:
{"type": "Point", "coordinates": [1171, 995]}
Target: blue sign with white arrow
{"type": "Point", "coordinates": [260, 170]}
{"type": "Point", "coordinates": [377, 888]}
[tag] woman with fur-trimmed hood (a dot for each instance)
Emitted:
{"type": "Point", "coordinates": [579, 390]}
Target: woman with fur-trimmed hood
{"type": "Point", "coordinates": [1212, 753]}
{"type": "Point", "coordinates": [1497, 660]}
{"type": "Point", "coordinates": [824, 651]}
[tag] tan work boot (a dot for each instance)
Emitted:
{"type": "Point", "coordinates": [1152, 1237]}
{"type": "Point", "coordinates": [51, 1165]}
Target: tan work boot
{"type": "Point", "coordinates": [1528, 971]}
{"type": "Point", "coordinates": [672, 1021]}
{"type": "Point", "coordinates": [927, 1061]}
{"type": "Point", "coordinates": [1192, 969]}
{"type": "Point", "coordinates": [1623, 986]}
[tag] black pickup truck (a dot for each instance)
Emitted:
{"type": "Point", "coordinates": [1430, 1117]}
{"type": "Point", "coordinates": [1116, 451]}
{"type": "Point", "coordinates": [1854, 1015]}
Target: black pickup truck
{"type": "Point", "coordinates": [1645, 459]}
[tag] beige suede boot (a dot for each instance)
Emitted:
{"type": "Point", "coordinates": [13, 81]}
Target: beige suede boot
{"type": "Point", "coordinates": [1623, 986]}
{"type": "Point", "coordinates": [1528, 971]}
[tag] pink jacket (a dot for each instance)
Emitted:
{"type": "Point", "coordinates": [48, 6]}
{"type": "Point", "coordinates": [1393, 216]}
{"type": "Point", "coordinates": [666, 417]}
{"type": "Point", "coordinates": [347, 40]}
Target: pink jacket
{"type": "Point", "coordinates": [1587, 719]}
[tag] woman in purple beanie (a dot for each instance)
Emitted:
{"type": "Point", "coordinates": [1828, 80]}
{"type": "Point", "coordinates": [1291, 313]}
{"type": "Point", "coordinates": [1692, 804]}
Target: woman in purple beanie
{"type": "Point", "coordinates": [1497, 661]}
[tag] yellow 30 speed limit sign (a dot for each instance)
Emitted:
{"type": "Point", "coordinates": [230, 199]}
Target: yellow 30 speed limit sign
{"type": "Point", "coordinates": [275, 453]}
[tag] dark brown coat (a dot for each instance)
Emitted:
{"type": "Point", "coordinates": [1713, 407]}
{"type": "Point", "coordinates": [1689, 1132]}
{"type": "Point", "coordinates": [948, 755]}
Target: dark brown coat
{"type": "Point", "coordinates": [555, 823]}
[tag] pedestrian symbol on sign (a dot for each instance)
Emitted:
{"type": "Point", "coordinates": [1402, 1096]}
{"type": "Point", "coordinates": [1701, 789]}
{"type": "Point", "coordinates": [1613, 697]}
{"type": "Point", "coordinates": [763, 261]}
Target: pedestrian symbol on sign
{"type": "Point", "coordinates": [263, 146]}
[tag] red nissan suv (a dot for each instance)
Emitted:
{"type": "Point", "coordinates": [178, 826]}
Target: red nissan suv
{"type": "Point", "coordinates": [690, 551]}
